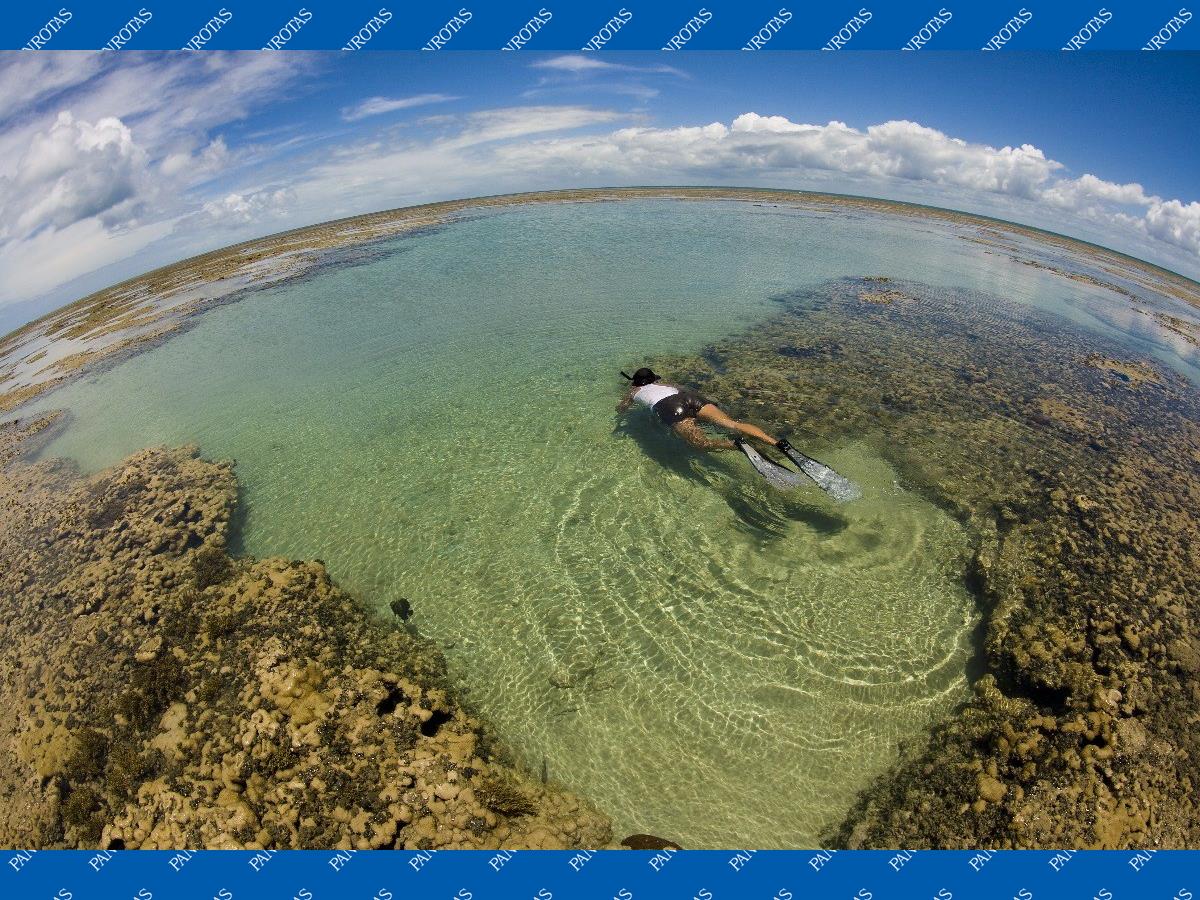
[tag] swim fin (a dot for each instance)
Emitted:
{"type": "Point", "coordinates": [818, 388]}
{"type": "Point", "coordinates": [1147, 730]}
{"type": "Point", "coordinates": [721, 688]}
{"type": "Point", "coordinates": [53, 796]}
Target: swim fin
{"type": "Point", "coordinates": [777, 476]}
{"type": "Point", "coordinates": [836, 486]}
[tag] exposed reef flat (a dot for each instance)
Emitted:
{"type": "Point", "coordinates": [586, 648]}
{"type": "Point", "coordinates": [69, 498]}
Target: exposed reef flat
{"type": "Point", "coordinates": [1077, 467]}
{"type": "Point", "coordinates": [157, 693]}
{"type": "Point", "coordinates": [134, 314]}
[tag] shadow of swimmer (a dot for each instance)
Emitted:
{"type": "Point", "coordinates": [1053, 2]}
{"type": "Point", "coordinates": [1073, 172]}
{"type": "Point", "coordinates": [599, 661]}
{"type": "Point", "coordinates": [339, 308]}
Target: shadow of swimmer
{"type": "Point", "coordinates": [730, 477]}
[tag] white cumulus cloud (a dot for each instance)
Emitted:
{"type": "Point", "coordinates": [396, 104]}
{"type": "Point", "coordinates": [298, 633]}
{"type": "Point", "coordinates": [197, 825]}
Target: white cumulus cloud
{"type": "Point", "coordinates": [1174, 222]}
{"type": "Point", "coordinates": [75, 170]}
{"type": "Point", "coordinates": [254, 206]}
{"type": "Point", "coordinates": [208, 160]}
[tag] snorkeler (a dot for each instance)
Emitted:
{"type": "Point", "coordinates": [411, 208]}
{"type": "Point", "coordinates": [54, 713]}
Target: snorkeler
{"type": "Point", "coordinates": [683, 410]}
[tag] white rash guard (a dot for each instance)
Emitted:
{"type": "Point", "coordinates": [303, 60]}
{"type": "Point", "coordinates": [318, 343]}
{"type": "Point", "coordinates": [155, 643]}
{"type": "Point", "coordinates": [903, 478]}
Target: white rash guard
{"type": "Point", "coordinates": [649, 394]}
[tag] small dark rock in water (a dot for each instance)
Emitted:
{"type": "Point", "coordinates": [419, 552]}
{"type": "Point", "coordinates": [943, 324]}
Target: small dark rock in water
{"type": "Point", "coordinates": [648, 842]}
{"type": "Point", "coordinates": [402, 609]}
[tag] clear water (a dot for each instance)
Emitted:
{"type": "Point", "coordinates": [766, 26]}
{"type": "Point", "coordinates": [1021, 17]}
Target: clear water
{"type": "Point", "coordinates": [699, 656]}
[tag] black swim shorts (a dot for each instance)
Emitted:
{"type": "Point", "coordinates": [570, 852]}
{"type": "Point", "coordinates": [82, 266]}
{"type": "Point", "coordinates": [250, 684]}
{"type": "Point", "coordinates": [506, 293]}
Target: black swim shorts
{"type": "Point", "coordinates": [677, 407]}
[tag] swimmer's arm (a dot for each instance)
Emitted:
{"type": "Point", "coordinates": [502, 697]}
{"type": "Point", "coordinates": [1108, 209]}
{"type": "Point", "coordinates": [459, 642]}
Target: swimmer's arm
{"type": "Point", "coordinates": [626, 401]}
{"type": "Point", "coordinates": [699, 438]}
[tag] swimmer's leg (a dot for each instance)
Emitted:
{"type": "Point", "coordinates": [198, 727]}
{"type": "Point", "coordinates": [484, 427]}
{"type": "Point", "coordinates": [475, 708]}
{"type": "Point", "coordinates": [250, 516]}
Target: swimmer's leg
{"type": "Point", "coordinates": [709, 412]}
{"type": "Point", "coordinates": [690, 431]}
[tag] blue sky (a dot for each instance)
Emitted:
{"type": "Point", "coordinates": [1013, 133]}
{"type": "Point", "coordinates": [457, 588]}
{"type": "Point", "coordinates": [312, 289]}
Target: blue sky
{"type": "Point", "coordinates": [114, 164]}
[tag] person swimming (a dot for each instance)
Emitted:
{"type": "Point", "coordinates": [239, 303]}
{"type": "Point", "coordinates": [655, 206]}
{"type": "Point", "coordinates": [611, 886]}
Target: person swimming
{"type": "Point", "coordinates": [682, 410]}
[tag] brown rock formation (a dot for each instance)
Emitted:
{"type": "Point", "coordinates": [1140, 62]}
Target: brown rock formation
{"type": "Point", "coordinates": [157, 693]}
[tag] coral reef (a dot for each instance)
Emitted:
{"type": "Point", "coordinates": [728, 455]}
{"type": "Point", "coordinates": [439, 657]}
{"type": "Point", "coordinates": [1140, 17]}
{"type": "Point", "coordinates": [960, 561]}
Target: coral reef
{"type": "Point", "coordinates": [1132, 372]}
{"type": "Point", "coordinates": [158, 693]}
{"type": "Point", "coordinates": [1077, 467]}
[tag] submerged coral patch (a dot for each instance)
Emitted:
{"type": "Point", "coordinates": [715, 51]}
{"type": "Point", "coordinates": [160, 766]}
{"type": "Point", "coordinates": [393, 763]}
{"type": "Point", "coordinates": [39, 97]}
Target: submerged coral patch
{"type": "Point", "coordinates": [1134, 373]}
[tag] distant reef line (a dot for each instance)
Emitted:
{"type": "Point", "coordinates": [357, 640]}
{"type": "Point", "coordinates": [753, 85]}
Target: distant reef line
{"type": "Point", "coordinates": [111, 324]}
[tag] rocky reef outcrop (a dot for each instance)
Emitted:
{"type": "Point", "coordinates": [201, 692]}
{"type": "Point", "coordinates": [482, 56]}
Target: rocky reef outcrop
{"type": "Point", "coordinates": [159, 693]}
{"type": "Point", "coordinates": [1077, 466]}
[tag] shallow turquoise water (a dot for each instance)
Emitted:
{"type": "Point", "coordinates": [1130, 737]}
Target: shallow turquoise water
{"type": "Point", "coordinates": [698, 656]}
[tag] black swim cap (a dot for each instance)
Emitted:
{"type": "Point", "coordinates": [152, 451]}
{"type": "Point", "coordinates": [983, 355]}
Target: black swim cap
{"type": "Point", "coordinates": [643, 377]}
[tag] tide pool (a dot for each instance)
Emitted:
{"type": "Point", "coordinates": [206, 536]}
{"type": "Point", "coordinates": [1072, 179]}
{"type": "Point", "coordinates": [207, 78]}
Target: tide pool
{"type": "Point", "coordinates": [697, 655]}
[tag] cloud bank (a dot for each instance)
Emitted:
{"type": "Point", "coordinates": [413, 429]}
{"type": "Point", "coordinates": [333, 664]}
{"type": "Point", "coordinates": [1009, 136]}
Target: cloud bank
{"type": "Point", "coordinates": [755, 146]}
{"type": "Point", "coordinates": [101, 178]}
